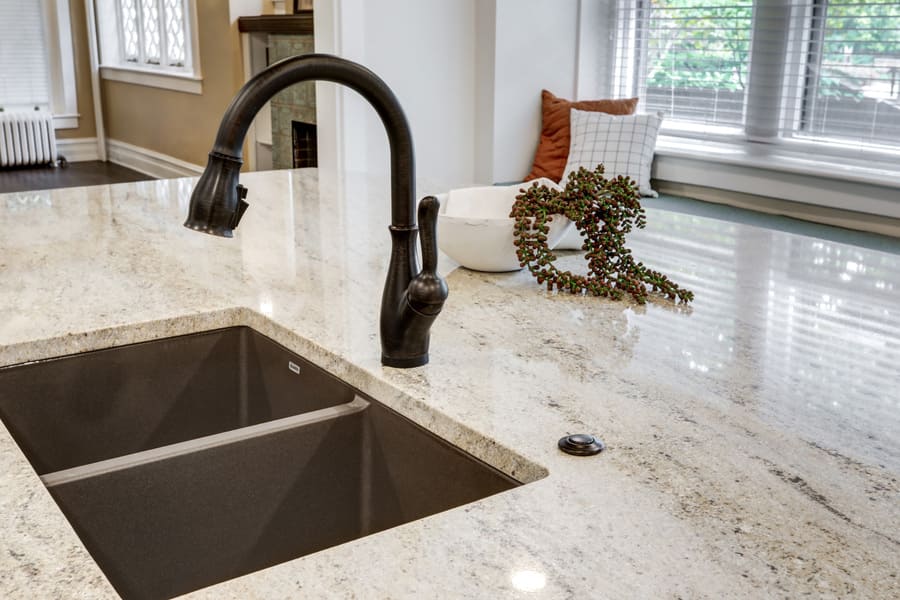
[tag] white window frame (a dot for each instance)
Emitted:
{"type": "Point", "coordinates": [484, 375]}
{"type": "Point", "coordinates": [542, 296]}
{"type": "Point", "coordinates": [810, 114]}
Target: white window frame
{"type": "Point", "coordinates": [738, 172]}
{"type": "Point", "coordinates": [61, 63]}
{"type": "Point", "coordinates": [798, 170]}
{"type": "Point", "coordinates": [790, 141]}
{"type": "Point", "coordinates": [114, 67]}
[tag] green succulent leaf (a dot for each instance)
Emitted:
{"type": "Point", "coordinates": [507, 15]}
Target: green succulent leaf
{"type": "Point", "coordinates": [604, 210]}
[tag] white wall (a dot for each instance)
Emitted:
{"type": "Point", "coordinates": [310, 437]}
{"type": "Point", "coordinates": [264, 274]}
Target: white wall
{"type": "Point", "coordinates": [469, 74]}
{"type": "Point", "coordinates": [340, 113]}
{"type": "Point", "coordinates": [485, 51]}
{"type": "Point", "coordinates": [425, 51]}
{"type": "Point", "coordinates": [247, 8]}
{"type": "Point", "coordinates": [536, 47]}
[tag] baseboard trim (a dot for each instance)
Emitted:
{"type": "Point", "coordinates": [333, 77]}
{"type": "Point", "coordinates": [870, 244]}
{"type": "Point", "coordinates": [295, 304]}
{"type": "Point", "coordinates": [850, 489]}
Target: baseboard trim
{"type": "Point", "coordinates": [78, 149]}
{"type": "Point", "coordinates": [149, 162]}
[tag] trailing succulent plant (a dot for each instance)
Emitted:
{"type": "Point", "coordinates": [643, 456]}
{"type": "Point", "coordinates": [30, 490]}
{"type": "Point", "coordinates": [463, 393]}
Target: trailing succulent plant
{"type": "Point", "coordinates": [604, 211]}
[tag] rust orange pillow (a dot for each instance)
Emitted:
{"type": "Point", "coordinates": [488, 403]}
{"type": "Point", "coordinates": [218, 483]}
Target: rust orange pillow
{"type": "Point", "coordinates": [553, 149]}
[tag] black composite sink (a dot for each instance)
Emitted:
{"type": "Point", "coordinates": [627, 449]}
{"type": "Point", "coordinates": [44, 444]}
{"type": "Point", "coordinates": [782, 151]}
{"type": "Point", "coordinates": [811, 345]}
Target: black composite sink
{"type": "Point", "coordinates": [188, 461]}
{"type": "Point", "coordinates": [87, 407]}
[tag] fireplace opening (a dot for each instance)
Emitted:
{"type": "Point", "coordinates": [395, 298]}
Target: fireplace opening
{"type": "Point", "coordinates": [304, 145]}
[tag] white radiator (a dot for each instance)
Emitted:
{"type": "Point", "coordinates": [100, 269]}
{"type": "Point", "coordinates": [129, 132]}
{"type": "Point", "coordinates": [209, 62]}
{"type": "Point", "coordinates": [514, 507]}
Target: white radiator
{"type": "Point", "coordinates": [27, 138]}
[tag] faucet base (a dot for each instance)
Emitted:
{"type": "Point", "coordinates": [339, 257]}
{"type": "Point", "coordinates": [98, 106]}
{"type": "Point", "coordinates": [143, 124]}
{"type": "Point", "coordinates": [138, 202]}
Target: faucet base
{"type": "Point", "coordinates": [406, 362]}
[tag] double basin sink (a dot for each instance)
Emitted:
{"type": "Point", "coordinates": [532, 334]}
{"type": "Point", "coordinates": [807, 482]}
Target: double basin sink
{"type": "Point", "coordinates": [191, 460]}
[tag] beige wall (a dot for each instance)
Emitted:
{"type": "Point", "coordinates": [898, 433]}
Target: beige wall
{"type": "Point", "coordinates": [86, 126]}
{"type": "Point", "coordinates": [180, 124]}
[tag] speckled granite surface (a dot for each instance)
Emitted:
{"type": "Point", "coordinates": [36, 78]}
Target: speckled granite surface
{"type": "Point", "coordinates": [753, 438]}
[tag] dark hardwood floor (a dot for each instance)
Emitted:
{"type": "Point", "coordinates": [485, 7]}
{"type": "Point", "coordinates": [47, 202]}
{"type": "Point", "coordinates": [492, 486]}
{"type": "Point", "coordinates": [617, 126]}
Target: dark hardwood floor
{"type": "Point", "coordinates": [76, 174]}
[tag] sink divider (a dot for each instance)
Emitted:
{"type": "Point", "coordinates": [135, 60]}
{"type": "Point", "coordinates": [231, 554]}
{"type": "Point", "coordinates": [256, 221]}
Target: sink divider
{"type": "Point", "coordinates": [358, 404]}
{"type": "Point", "coordinates": [187, 461]}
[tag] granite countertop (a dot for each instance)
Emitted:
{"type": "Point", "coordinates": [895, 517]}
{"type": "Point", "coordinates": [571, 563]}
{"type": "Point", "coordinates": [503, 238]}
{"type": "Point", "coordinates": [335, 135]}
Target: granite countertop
{"type": "Point", "coordinates": [752, 438]}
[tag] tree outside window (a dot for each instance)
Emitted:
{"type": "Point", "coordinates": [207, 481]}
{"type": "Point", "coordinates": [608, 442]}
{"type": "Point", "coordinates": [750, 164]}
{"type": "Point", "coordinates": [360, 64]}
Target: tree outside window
{"type": "Point", "coordinates": [695, 57]}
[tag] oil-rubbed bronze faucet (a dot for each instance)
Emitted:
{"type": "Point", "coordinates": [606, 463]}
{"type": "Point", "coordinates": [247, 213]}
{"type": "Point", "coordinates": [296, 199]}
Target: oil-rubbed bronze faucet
{"type": "Point", "coordinates": [411, 301]}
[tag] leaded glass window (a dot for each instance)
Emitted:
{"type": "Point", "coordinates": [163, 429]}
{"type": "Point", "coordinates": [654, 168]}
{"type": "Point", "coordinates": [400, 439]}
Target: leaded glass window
{"type": "Point", "coordinates": [129, 28]}
{"type": "Point", "coordinates": [174, 11]}
{"type": "Point", "coordinates": [153, 33]}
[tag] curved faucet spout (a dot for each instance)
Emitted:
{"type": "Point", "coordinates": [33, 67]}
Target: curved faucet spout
{"type": "Point", "coordinates": [217, 203]}
{"type": "Point", "coordinates": [312, 67]}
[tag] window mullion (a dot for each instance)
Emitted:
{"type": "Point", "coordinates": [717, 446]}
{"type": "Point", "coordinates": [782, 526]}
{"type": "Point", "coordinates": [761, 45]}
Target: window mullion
{"type": "Point", "coordinates": [163, 33]}
{"type": "Point", "coordinates": [626, 64]}
{"type": "Point", "coordinates": [120, 31]}
{"type": "Point", "coordinates": [796, 60]}
{"type": "Point", "coordinates": [139, 10]}
{"type": "Point", "coordinates": [765, 85]}
{"type": "Point", "coordinates": [642, 16]}
{"type": "Point", "coordinates": [814, 57]}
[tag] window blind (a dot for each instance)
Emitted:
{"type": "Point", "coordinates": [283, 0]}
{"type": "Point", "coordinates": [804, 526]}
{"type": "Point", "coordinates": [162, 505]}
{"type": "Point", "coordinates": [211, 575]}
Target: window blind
{"type": "Point", "coordinates": [851, 78]}
{"type": "Point", "coordinates": [689, 58]}
{"type": "Point", "coordinates": [765, 70]}
{"type": "Point", "coordinates": [24, 75]}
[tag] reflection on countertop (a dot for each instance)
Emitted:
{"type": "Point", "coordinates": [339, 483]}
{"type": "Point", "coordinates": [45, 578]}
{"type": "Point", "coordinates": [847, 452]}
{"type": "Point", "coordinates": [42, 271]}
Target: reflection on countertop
{"type": "Point", "coordinates": [752, 436]}
{"type": "Point", "coordinates": [803, 330]}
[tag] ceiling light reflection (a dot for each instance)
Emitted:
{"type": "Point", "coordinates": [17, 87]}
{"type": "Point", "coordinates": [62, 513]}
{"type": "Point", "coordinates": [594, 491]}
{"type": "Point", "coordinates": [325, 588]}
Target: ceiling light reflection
{"type": "Point", "coordinates": [265, 306]}
{"type": "Point", "coordinates": [528, 581]}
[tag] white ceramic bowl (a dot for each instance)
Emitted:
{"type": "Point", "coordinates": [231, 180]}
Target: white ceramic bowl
{"type": "Point", "coordinates": [475, 229]}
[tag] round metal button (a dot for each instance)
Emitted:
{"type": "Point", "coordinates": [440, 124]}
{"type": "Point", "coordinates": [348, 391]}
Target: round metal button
{"type": "Point", "coordinates": [581, 444]}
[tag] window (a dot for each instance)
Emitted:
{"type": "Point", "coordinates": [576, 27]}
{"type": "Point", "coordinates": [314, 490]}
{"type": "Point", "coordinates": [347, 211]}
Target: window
{"type": "Point", "coordinates": [815, 72]}
{"type": "Point", "coordinates": [37, 67]}
{"type": "Point", "coordinates": [691, 62]}
{"type": "Point", "coordinates": [150, 42]}
{"type": "Point", "coordinates": [852, 74]}
{"type": "Point", "coordinates": [153, 32]}
{"type": "Point", "coordinates": [25, 81]}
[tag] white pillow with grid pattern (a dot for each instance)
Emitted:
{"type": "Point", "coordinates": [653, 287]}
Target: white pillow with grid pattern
{"type": "Point", "coordinates": [623, 143]}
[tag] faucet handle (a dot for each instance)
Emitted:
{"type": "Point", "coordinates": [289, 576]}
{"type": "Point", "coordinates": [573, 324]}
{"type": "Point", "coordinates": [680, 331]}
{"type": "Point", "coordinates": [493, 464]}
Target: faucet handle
{"type": "Point", "coordinates": [428, 291]}
{"type": "Point", "coordinates": [428, 216]}
{"type": "Point", "coordinates": [241, 207]}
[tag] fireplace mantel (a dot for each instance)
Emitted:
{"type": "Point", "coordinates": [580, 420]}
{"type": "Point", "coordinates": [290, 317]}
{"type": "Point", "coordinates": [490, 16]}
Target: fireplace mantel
{"type": "Point", "coordinates": [301, 23]}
